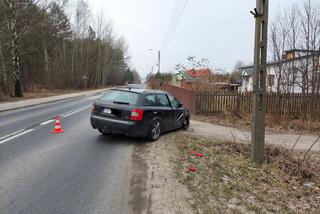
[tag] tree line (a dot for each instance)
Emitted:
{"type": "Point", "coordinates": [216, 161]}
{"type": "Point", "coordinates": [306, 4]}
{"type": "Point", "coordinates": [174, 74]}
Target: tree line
{"type": "Point", "coordinates": [43, 47]}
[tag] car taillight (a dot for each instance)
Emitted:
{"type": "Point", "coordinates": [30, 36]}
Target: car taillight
{"type": "Point", "coordinates": [93, 109]}
{"type": "Point", "coordinates": [136, 114]}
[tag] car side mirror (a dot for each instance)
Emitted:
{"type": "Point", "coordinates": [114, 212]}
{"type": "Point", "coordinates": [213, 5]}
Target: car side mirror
{"type": "Point", "coordinates": [180, 105]}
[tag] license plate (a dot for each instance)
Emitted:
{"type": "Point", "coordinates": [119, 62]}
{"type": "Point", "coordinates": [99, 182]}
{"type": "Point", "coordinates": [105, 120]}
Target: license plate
{"type": "Point", "coordinates": [107, 111]}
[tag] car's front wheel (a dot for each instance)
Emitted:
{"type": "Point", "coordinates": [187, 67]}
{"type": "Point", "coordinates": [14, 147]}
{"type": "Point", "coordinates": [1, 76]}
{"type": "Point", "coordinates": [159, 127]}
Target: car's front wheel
{"type": "Point", "coordinates": [154, 130]}
{"type": "Point", "coordinates": [186, 123]}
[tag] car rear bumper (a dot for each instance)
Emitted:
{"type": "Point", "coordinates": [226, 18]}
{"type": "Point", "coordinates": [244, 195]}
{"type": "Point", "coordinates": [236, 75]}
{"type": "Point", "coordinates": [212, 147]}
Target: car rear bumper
{"type": "Point", "coordinates": [116, 126]}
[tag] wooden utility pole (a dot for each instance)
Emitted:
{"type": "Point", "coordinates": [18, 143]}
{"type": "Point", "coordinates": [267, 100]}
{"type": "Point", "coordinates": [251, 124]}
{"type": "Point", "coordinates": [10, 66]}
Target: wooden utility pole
{"type": "Point", "coordinates": [259, 81]}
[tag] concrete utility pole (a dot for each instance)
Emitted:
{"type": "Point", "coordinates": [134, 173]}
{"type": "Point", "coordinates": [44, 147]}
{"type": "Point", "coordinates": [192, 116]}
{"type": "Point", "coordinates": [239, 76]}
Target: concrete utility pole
{"type": "Point", "coordinates": [159, 56]}
{"type": "Point", "coordinates": [259, 81]}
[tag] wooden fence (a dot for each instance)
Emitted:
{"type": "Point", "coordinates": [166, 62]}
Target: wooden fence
{"type": "Point", "coordinates": [293, 106]}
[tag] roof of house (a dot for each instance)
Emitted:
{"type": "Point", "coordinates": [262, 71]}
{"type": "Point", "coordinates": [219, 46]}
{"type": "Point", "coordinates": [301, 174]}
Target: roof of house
{"type": "Point", "coordinates": [246, 71]}
{"type": "Point", "coordinates": [182, 74]}
{"type": "Point", "coordinates": [195, 73]}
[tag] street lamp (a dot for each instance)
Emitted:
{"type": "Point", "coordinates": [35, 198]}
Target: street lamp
{"type": "Point", "coordinates": [158, 58]}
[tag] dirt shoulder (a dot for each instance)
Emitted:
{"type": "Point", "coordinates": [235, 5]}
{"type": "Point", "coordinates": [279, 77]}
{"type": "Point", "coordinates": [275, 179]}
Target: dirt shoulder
{"type": "Point", "coordinates": [167, 194]}
{"type": "Point", "coordinates": [154, 186]}
{"type": "Point", "coordinates": [273, 123]}
{"type": "Point", "coordinates": [243, 135]}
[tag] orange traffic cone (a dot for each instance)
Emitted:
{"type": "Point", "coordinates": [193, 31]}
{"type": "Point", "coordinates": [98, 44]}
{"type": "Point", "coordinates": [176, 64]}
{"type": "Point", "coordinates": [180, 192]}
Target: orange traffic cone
{"type": "Point", "coordinates": [57, 128]}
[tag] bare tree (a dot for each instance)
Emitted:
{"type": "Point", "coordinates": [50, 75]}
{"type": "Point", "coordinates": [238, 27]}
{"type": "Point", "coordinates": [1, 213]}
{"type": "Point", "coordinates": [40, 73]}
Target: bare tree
{"type": "Point", "coordinates": [19, 16]}
{"type": "Point", "coordinates": [104, 30]}
{"type": "Point", "coordinates": [46, 50]}
{"type": "Point", "coordinates": [293, 19]}
{"type": "Point", "coordinates": [3, 67]}
{"type": "Point", "coordinates": [193, 62]}
{"type": "Point", "coordinates": [235, 75]}
{"type": "Point", "coordinates": [12, 12]}
{"type": "Point", "coordinates": [297, 28]}
{"type": "Point", "coordinates": [99, 29]}
{"type": "Point", "coordinates": [279, 33]}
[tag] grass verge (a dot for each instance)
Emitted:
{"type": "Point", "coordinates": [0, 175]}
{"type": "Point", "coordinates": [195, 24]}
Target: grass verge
{"type": "Point", "coordinates": [226, 181]}
{"type": "Point", "coordinates": [41, 93]}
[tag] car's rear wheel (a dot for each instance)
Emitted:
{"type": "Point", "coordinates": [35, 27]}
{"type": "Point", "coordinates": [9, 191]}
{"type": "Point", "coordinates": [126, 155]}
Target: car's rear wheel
{"type": "Point", "coordinates": [186, 123]}
{"type": "Point", "coordinates": [154, 130]}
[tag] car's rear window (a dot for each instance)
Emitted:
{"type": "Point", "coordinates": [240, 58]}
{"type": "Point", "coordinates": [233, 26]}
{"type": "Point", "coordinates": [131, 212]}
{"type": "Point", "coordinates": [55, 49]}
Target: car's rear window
{"type": "Point", "coordinates": [120, 97]}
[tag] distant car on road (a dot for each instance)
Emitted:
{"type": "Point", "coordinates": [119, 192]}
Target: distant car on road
{"type": "Point", "coordinates": [138, 113]}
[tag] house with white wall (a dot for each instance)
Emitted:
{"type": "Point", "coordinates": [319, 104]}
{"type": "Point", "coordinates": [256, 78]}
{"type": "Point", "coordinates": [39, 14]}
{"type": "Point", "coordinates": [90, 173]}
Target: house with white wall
{"type": "Point", "coordinates": [288, 74]}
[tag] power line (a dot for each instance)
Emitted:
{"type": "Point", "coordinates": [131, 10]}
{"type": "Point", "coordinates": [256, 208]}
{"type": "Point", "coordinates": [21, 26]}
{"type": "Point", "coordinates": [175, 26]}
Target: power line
{"type": "Point", "coordinates": [172, 18]}
{"type": "Point", "coordinates": [174, 22]}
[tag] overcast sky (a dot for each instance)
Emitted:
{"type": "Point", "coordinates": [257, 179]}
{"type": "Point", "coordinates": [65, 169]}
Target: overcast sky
{"type": "Point", "coordinates": [220, 30]}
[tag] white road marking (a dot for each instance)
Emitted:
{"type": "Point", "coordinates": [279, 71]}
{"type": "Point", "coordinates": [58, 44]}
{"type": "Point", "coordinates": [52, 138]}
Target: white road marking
{"type": "Point", "coordinates": [61, 115]}
{"type": "Point", "coordinates": [69, 112]}
{"type": "Point", "coordinates": [76, 111]}
{"type": "Point", "coordinates": [46, 122]}
{"type": "Point", "coordinates": [21, 132]}
{"type": "Point", "coordinates": [11, 134]}
{"type": "Point", "coordinates": [16, 135]}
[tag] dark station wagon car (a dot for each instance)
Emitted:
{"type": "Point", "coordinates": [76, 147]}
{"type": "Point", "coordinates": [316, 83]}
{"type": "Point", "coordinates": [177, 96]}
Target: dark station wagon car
{"type": "Point", "coordinates": [138, 113]}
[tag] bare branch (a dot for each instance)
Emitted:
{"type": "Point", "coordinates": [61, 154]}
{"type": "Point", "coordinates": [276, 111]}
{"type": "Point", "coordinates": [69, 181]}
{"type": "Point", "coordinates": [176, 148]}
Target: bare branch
{"type": "Point", "coordinates": [305, 156]}
{"type": "Point", "coordinates": [234, 139]}
{"type": "Point", "coordinates": [295, 143]}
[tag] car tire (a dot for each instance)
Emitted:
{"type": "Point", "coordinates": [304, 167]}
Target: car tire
{"type": "Point", "coordinates": [154, 130]}
{"type": "Point", "coordinates": [186, 123]}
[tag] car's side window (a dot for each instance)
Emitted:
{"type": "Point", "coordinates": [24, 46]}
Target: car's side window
{"type": "Point", "coordinates": [150, 100]}
{"type": "Point", "coordinates": [163, 100]}
{"type": "Point", "coordinates": [174, 102]}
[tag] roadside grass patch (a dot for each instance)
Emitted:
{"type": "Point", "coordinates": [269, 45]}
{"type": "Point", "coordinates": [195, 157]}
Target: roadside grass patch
{"type": "Point", "coordinates": [227, 181]}
{"type": "Point", "coordinates": [40, 93]}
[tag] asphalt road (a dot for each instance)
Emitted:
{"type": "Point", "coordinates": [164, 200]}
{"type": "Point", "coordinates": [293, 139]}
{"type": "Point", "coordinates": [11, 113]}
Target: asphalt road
{"type": "Point", "coordinates": [78, 171]}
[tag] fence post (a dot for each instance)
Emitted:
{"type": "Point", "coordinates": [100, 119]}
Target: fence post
{"type": "Point", "coordinates": [238, 104]}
